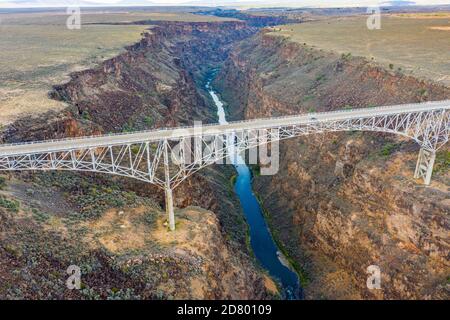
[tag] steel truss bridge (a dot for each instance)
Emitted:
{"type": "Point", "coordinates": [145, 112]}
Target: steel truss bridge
{"type": "Point", "coordinates": [166, 157]}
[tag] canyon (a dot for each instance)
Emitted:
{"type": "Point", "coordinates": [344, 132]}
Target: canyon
{"type": "Point", "coordinates": [155, 83]}
{"type": "Point", "coordinates": [342, 202]}
{"type": "Point", "coordinates": [339, 203]}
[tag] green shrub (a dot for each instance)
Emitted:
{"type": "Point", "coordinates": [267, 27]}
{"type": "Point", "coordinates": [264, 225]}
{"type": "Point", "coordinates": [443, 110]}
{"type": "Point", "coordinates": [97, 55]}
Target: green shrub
{"type": "Point", "coordinates": [233, 180]}
{"type": "Point", "coordinates": [10, 205]}
{"type": "Point", "coordinates": [135, 149]}
{"type": "Point", "coordinates": [89, 195]}
{"type": "Point", "coordinates": [442, 162]}
{"type": "Point", "coordinates": [346, 56]}
{"type": "Point", "coordinates": [89, 293]}
{"type": "Point", "coordinates": [256, 170]}
{"type": "Point", "coordinates": [150, 218]}
{"type": "Point", "coordinates": [94, 201]}
{"type": "Point", "coordinates": [423, 92]}
{"type": "Point", "coordinates": [320, 78]}
{"type": "Point", "coordinates": [308, 97]}
{"type": "Point", "coordinates": [388, 149]}
{"type": "Point", "coordinates": [86, 116]}
{"type": "Point", "coordinates": [119, 294]}
{"type": "Point", "coordinates": [127, 127]}
{"type": "Point", "coordinates": [2, 183]}
{"type": "Point", "coordinates": [148, 120]}
{"type": "Point", "coordinates": [39, 215]}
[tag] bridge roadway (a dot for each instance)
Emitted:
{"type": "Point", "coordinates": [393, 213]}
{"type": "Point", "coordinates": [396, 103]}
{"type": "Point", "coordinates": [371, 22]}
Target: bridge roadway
{"type": "Point", "coordinates": [212, 129]}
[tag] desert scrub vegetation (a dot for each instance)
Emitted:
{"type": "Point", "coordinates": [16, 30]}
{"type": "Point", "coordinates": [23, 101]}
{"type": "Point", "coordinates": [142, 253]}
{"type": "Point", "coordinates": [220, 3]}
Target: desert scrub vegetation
{"type": "Point", "coordinates": [128, 127]}
{"type": "Point", "coordinates": [256, 170]}
{"type": "Point", "coordinates": [423, 92]}
{"type": "Point", "coordinates": [121, 294]}
{"type": "Point", "coordinates": [442, 162]}
{"type": "Point", "coordinates": [42, 257]}
{"type": "Point", "coordinates": [93, 201]}
{"type": "Point", "coordinates": [26, 75]}
{"type": "Point", "coordinates": [148, 120]}
{"type": "Point", "coordinates": [9, 205]}
{"type": "Point", "coordinates": [346, 56]}
{"type": "Point", "coordinates": [419, 47]}
{"type": "Point", "coordinates": [86, 116]}
{"type": "Point", "coordinates": [388, 149]}
{"type": "Point", "coordinates": [308, 98]}
{"type": "Point", "coordinates": [39, 216]}
{"type": "Point", "coordinates": [2, 183]}
{"type": "Point", "coordinates": [90, 196]}
{"type": "Point", "coordinates": [150, 218]}
{"type": "Point", "coordinates": [321, 78]}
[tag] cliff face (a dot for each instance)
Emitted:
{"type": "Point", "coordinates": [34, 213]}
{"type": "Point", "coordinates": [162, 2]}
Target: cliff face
{"type": "Point", "coordinates": [342, 202]}
{"type": "Point", "coordinates": [155, 83]}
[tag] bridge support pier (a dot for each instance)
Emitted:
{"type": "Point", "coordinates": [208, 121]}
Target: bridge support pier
{"type": "Point", "coordinates": [168, 189]}
{"type": "Point", "coordinates": [424, 166]}
{"type": "Point", "coordinates": [169, 208]}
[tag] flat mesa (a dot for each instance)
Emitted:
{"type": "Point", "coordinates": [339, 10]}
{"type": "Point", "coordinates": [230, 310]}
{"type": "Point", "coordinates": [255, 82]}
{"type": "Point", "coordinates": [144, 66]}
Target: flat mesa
{"type": "Point", "coordinates": [200, 311]}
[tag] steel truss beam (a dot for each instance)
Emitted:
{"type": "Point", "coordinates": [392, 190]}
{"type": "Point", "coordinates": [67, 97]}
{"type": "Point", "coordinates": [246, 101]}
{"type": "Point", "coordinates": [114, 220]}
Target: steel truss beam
{"type": "Point", "coordinates": [144, 160]}
{"type": "Point", "coordinates": [168, 162]}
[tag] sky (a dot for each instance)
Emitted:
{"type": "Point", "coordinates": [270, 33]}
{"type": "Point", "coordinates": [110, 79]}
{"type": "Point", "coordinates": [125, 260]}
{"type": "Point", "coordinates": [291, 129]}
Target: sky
{"type": "Point", "coordinates": [291, 3]}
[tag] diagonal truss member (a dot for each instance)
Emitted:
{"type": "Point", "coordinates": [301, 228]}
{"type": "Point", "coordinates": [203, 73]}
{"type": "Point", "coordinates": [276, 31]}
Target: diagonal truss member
{"type": "Point", "coordinates": [166, 157]}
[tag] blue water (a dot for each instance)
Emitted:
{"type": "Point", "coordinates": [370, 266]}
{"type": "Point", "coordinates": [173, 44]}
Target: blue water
{"type": "Point", "coordinates": [261, 240]}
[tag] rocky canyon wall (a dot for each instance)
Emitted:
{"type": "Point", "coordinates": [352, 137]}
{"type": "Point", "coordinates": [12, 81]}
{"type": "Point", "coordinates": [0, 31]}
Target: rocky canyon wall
{"type": "Point", "coordinates": [155, 83]}
{"type": "Point", "coordinates": [342, 202]}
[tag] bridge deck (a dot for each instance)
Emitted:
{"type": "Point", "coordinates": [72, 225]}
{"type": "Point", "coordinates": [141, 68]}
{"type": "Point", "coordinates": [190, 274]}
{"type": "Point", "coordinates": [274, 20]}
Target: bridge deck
{"type": "Point", "coordinates": [167, 133]}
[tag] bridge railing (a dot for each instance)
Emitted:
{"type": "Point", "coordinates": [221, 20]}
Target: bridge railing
{"type": "Point", "coordinates": [312, 114]}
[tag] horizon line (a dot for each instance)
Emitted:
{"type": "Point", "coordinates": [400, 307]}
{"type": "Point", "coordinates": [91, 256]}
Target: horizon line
{"type": "Point", "coordinates": [217, 6]}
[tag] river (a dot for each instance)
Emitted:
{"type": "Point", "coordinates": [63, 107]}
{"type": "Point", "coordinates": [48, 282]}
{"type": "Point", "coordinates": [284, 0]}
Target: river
{"type": "Point", "coordinates": [261, 240]}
